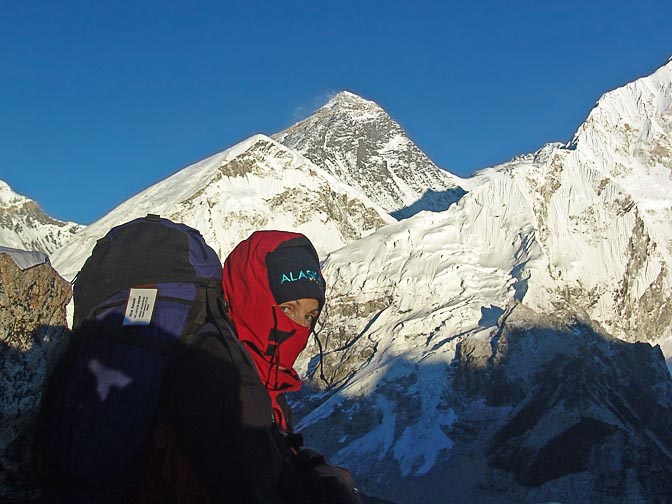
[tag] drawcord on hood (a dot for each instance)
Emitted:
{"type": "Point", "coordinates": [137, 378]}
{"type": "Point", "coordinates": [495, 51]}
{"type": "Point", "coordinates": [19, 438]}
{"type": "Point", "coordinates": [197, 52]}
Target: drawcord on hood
{"type": "Point", "coordinates": [275, 358]}
{"type": "Point", "coordinates": [319, 346]}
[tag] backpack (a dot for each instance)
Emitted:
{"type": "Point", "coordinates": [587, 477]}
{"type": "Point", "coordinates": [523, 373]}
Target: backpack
{"type": "Point", "coordinates": [148, 288]}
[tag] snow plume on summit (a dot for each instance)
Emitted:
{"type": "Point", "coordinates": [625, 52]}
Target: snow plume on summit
{"type": "Point", "coordinates": [356, 141]}
{"type": "Point", "coordinates": [23, 224]}
{"type": "Point", "coordinates": [494, 351]}
{"type": "Point", "coordinates": [257, 184]}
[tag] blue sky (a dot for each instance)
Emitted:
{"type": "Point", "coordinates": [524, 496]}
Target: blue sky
{"type": "Point", "coordinates": [99, 100]}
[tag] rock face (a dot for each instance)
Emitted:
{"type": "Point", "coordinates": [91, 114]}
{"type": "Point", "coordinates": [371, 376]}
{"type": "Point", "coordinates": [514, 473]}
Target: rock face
{"type": "Point", "coordinates": [32, 332]}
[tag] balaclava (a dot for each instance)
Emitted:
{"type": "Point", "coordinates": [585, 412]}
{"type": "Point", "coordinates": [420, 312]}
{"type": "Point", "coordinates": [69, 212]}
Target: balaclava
{"type": "Point", "coordinates": [267, 269]}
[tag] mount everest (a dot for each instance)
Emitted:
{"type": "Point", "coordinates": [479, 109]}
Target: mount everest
{"type": "Point", "coordinates": [358, 143]}
{"type": "Point", "coordinates": [482, 349]}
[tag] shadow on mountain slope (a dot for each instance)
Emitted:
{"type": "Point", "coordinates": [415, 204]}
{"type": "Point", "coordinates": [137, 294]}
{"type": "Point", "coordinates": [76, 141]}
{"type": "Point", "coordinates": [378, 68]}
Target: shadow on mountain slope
{"type": "Point", "coordinates": [541, 411]}
{"type": "Point", "coordinates": [591, 416]}
{"type": "Point", "coordinates": [432, 201]}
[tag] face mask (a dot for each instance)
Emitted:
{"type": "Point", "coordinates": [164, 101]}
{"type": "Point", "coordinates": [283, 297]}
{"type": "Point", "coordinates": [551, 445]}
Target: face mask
{"type": "Point", "coordinates": [286, 341]}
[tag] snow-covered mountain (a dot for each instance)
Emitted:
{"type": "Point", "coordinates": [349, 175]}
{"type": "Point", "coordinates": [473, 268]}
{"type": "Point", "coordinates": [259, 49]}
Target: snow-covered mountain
{"type": "Point", "coordinates": [494, 349]}
{"type": "Point", "coordinates": [358, 142]}
{"type": "Point", "coordinates": [473, 350]}
{"type": "Point", "coordinates": [257, 184]}
{"type": "Point", "coordinates": [623, 152]}
{"type": "Point", "coordinates": [23, 224]}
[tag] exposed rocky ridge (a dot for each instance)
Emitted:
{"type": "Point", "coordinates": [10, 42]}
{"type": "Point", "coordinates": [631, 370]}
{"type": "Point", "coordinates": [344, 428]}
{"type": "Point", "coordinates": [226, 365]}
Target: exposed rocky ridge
{"type": "Point", "coordinates": [25, 226]}
{"type": "Point", "coordinates": [33, 330]}
{"type": "Point", "coordinates": [356, 141]}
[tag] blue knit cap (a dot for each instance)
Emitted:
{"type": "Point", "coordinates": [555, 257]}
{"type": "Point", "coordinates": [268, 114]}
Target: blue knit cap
{"type": "Point", "coordinates": [294, 272]}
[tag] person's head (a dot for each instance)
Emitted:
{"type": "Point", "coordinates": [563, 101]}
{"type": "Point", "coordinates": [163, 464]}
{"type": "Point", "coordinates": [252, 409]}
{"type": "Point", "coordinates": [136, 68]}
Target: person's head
{"type": "Point", "coordinates": [275, 291]}
{"type": "Point", "coordinates": [295, 280]}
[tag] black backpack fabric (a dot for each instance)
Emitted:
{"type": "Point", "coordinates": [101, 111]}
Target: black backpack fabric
{"type": "Point", "coordinates": [320, 482]}
{"type": "Point", "coordinates": [143, 295]}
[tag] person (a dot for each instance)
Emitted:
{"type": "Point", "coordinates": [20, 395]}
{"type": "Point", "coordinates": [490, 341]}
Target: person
{"type": "Point", "coordinates": [230, 424]}
{"type": "Point", "coordinates": [275, 292]}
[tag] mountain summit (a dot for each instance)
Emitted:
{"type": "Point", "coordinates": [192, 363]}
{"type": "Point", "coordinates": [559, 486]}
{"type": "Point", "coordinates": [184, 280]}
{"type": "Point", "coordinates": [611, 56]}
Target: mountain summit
{"type": "Point", "coordinates": [358, 142]}
{"type": "Point", "coordinates": [347, 100]}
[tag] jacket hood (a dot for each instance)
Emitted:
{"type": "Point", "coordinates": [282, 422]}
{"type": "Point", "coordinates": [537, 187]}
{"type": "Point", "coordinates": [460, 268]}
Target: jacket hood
{"type": "Point", "coordinates": [272, 339]}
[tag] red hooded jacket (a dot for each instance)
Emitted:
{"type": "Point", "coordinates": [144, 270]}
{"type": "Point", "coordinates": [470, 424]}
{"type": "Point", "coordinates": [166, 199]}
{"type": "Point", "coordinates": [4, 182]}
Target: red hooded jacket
{"type": "Point", "coordinates": [273, 340]}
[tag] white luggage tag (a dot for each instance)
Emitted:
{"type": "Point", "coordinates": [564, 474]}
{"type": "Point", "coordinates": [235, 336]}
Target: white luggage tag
{"type": "Point", "coordinates": [140, 306]}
